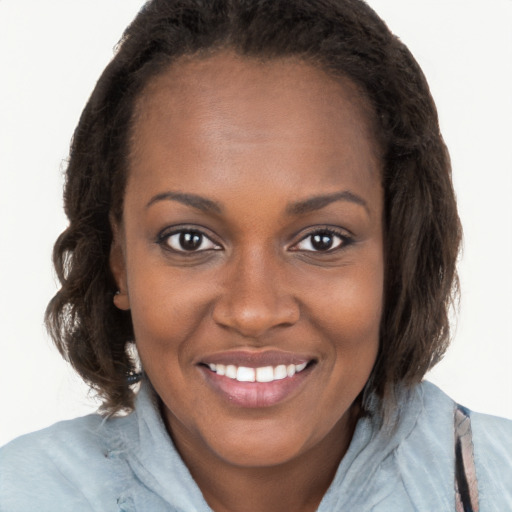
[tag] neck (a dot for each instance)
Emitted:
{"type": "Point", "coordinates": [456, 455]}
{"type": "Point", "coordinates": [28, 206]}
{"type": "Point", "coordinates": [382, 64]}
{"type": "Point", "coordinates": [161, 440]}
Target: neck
{"type": "Point", "coordinates": [298, 484]}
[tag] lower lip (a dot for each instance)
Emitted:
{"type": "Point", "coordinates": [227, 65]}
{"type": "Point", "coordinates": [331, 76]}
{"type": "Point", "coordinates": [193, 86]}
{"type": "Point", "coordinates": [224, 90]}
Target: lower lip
{"type": "Point", "coordinates": [255, 394]}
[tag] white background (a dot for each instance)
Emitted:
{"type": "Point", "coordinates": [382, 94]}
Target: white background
{"type": "Point", "coordinates": [52, 52]}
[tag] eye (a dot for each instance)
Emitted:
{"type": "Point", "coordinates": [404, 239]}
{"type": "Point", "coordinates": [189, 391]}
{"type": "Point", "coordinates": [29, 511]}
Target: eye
{"type": "Point", "coordinates": [188, 240]}
{"type": "Point", "coordinates": [324, 240]}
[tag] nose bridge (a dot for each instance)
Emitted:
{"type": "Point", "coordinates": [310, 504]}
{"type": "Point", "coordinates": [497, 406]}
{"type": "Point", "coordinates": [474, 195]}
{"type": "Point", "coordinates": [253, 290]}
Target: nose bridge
{"type": "Point", "coordinates": [254, 298]}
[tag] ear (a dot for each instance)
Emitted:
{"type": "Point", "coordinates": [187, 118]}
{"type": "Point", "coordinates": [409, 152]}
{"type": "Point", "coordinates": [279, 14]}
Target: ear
{"type": "Point", "coordinates": [118, 267]}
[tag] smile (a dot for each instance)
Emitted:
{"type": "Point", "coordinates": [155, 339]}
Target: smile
{"type": "Point", "coordinates": [256, 379]}
{"type": "Point", "coordinates": [261, 374]}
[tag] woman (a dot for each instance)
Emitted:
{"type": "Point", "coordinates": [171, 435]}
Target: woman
{"type": "Point", "coordinates": [259, 197]}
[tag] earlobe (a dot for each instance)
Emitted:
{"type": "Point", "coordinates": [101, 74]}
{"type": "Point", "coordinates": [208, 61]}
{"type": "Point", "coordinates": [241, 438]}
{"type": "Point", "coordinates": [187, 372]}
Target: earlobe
{"type": "Point", "coordinates": [121, 301]}
{"type": "Point", "coordinates": [118, 268]}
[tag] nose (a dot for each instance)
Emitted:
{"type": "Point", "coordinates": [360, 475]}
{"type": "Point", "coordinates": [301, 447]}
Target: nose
{"type": "Point", "coordinates": [255, 299]}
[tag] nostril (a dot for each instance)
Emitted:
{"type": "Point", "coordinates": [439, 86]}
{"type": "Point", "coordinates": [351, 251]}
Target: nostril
{"type": "Point", "coordinates": [254, 319]}
{"type": "Point", "coordinates": [254, 299]}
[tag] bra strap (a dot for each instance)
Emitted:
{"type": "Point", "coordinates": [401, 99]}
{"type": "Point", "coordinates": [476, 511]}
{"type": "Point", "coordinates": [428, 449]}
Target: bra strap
{"type": "Point", "coordinates": [466, 485]}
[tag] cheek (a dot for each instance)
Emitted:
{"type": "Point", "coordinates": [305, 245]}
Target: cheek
{"type": "Point", "coordinates": [167, 306]}
{"type": "Point", "coordinates": [168, 310]}
{"type": "Point", "coordinates": [166, 301]}
{"type": "Point", "coordinates": [349, 313]}
{"type": "Point", "coordinates": [350, 304]}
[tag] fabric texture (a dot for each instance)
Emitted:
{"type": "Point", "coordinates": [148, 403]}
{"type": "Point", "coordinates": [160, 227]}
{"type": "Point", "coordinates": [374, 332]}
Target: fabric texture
{"type": "Point", "coordinates": [130, 463]}
{"type": "Point", "coordinates": [466, 483]}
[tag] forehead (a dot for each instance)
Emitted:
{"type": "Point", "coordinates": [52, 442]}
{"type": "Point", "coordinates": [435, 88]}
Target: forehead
{"type": "Point", "coordinates": [228, 111]}
{"type": "Point", "coordinates": [193, 86]}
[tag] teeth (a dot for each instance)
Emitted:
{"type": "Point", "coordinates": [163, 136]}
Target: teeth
{"type": "Point", "coordinates": [231, 371]}
{"type": "Point", "coordinates": [263, 374]}
{"type": "Point", "coordinates": [280, 372]}
{"type": "Point", "coordinates": [300, 367]}
{"type": "Point", "coordinates": [245, 374]}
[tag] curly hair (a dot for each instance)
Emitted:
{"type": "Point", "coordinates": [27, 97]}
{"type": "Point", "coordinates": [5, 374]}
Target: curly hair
{"type": "Point", "coordinates": [343, 37]}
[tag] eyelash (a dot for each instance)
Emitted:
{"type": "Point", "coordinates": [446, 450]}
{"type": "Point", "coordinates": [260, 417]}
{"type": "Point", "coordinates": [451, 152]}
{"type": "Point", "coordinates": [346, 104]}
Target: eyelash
{"type": "Point", "coordinates": [164, 238]}
{"type": "Point", "coordinates": [344, 239]}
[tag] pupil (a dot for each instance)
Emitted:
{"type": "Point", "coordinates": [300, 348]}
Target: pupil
{"type": "Point", "coordinates": [322, 242]}
{"type": "Point", "coordinates": [190, 241]}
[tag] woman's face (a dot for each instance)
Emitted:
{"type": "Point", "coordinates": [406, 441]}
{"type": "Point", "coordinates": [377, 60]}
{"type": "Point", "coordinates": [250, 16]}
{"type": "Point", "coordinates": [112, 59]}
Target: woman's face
{"type": "Point", "coordinates": [251, 254]}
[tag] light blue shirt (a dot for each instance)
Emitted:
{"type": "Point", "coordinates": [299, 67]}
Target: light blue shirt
{"type": "Point", "coordinates": [130, 464]}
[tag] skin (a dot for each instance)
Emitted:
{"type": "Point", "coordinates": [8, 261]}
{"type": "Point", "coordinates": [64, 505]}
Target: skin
{"type": "Point", "coordinates": [256, 138]}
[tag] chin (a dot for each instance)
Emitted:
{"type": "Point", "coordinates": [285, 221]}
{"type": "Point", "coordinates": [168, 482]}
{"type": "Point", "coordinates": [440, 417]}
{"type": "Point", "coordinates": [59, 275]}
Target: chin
{"type": "Point", "coordinates": [258, 451]}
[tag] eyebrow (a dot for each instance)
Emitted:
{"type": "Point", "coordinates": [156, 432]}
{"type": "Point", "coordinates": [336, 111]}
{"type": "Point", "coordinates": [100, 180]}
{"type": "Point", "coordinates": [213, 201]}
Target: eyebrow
{"type": "Point", "coordinates": [193, 200]}
{"type": "Point", "coordinates": [318, 202]}
{"type": "Point", "coordinates": [302, 207]}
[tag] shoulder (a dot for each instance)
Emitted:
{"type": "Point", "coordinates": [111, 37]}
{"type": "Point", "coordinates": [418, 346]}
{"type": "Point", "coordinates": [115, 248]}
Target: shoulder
{"type": "Point", "coordinates": [491, 441]}
{"type": "Point", "coordinates": [486, 428]}
{"type": "Point", "coordinates": [492, 444]}
{"type": "Point", "coordinates": [425, 455]}
{"type": "Point", "coordinates": [66, 463]}
{"type": "Point", "coordinates": [492, 435]}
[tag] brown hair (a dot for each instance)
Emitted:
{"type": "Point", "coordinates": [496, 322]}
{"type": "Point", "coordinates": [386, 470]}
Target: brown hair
{"type": "Point", "coordinates": [343, 37]}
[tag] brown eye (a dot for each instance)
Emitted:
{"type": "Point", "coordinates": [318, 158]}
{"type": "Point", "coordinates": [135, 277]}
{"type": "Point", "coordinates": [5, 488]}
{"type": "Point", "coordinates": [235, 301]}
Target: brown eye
{"type": "Point", "coordinates": [321, 241]}
{"type": "Point", "coordinates": [189, 241]}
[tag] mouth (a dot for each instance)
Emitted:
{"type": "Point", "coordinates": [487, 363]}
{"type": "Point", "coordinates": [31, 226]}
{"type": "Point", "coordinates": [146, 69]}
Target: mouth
{"type": "Point", "coordinates": [260, 374]}
{"type": "Point", "coordinates": [254, 380]}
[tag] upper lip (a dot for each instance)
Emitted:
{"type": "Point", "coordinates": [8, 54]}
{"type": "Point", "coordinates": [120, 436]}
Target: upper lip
{"type": "Point", "coordinates": [256, 359]}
